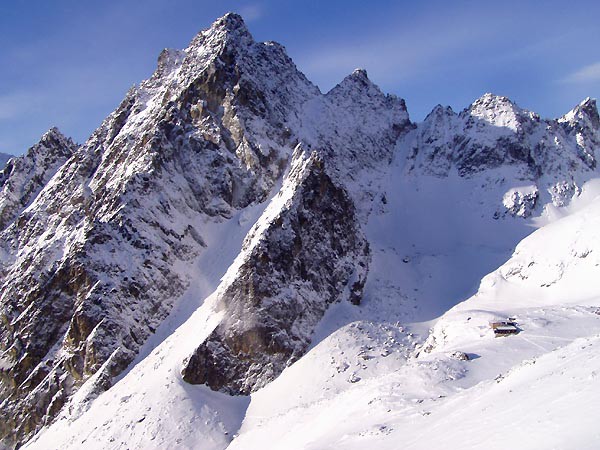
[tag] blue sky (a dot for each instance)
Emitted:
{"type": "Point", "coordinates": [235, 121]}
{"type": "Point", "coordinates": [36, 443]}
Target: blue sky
{"type": "Point", "coordinates": [69, 63]}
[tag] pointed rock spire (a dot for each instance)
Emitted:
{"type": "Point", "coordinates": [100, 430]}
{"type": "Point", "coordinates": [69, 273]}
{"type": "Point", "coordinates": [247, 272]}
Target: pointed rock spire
{"type": "Point", "coordinates": [231, 21]}
{"type": "Point", "coordinates": [586, 111]}
{"type": "Point", "coordinates": [230, 28]}
{"type": "Point", "coordinates": [355, 88]}
{"type": "Point", "coordinates": [359, 74]}
{"type": "Point", "coordinates": [491, 101]}
{"type": "Point", "coordinates": [53, 142]}
{"type": "Point", "coordinates": [25, 176]}
{"type": "Point", "coordinates": [357, 79]}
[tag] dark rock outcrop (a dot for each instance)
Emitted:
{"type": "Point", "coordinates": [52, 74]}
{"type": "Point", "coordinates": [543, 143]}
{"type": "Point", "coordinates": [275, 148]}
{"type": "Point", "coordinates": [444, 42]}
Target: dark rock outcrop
{"type": "Point", "coordinates": [311, 255]}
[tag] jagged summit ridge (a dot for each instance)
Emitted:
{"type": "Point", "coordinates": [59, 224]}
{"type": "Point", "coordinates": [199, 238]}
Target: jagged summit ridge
{"type": "Point", "coordinates": [494, 131]}
{"type": "Point", "coordinates": [497, 140]}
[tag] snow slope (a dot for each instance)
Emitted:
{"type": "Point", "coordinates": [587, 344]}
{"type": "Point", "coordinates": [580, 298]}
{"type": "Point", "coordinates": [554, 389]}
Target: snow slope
{"type": "Point", "coordinates": [371, 381]}
{"type": "Point", "coordinates": [538, 389]}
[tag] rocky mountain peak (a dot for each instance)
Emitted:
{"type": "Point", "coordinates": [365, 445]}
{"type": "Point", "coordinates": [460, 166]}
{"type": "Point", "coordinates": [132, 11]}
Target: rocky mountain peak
{"type": "Point", "coordinates": [497, 110]}
{"type": "Point", "coordinates": [491, 100]}
{"type": "Point", "coordinates": [356, 94]}
{"type": "Point", "coordinates": [494, 132]}
{"type": "Point", "coordinates": [586, 113]}
{"type": "Point", "coordinates": [357, 83]}
{"type": "Point", "coordinates": [209, 134]}
{"type": "Point", "coordinates": [359, 74]}
{"type": "Point", "coordinates": [53, 131]}
{"type": "Point", "coordinates": [232, 22]}
{"type": "Point", "coordinates": [100, 243]}
{"type": "Point", "coordinates": [439, 111]}
{"type": "Point", "coordinates": [25, 176]}
{"type": "Point", "coordinates": [231, 27]}
{"type": "Point", "coordinates": [54, 140]}
{"type": "Point", "coordinates": [52, 144]}
{"type": "Point", "coordinates": [229, 30]}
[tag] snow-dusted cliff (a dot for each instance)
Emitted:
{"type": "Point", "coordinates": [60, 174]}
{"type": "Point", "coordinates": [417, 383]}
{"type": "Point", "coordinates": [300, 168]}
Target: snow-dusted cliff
{"type": "Point", "coordinates": [306, 252]}
{"type": "Point", "coordinates": [88, 269]}
{"type": "Point", "coordinates": [229, 225]}
{"type": "Point", "coordinates": [551, 157]}
{"type": "Point", "coordinates": [25, 176]}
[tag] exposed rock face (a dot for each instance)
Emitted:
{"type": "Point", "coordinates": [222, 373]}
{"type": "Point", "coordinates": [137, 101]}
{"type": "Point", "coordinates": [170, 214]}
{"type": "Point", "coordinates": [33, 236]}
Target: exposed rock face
{"type": "Point", "coordinates": [352, 130]}
{"type": "Point", "coordinates": [25, 176]}
{"type": "Point", "coordinates": [311, 254]}
{"type": "Point", "coordinates": [493, 131]}
{"type": "Point", "coordinates": [88, 270]}
{"type": "Point", "coordinates": [355, 127]}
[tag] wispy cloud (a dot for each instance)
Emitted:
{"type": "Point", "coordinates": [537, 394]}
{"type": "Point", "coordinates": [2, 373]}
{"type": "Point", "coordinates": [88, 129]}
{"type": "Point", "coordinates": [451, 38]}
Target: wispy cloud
{"type": "Point", "coordinates": [18, 104]}
{"type": "Point", "coordinates": [392, 55]}
{"type": "Point", "coordinates": [251, 12]}
{"type": "Point", "coordinates": [587, 74]}
{"type": "Point", "coordinates": [388, 59]}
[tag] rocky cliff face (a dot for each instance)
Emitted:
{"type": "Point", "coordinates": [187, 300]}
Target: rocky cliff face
{"type": "Point", "coordinates": [309, 254]}
{"type": "Point", "coordinates": [87, 271]}
{"type": "Point", "coordinates": [355, 127]}
{"type": "Point", "coordinates": [94, 237]}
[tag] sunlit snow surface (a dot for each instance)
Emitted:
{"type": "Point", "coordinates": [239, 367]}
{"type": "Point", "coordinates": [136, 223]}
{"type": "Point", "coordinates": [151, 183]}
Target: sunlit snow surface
{"type": "Point", "coordinates": [538, 389]}
{"type": "Point", "coordinates": [375, 377]}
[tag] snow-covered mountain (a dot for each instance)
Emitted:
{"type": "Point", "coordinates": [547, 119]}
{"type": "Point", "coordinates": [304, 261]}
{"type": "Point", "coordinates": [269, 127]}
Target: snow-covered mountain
{"type": "Point", "coordinates": [235, 259]}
